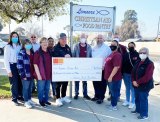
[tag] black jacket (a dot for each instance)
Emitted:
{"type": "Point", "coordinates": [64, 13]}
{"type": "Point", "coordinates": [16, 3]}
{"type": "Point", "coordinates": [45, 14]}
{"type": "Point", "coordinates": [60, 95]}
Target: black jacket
{"type": "Point", "coordinates": [126, 64]}
{"type": "Point", "coordinates": [60, 51]}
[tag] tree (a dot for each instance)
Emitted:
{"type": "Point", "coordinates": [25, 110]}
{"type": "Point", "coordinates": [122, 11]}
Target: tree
{"type": "Point", "coordinates": [129, 27]}
{"type": "Point", "coordinates": [1, 26]}
{"type": "Point", "coordinates": [23, 10]}
{"type": "Point", "coordinates": [21, 31]}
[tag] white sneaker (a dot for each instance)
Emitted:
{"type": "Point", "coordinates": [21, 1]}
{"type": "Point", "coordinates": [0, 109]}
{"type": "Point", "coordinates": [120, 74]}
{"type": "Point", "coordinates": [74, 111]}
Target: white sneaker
{"type": "Point", "coordinates": [59, 102]}
{"type": "Point", "coordinates": [125, 103]}
{"type": "Point", "coordinates": [65, 99]}
{"type": "Point", "coordinates": [32, 102]}
{"type": "Point", "coordinates": [28, 105]}
{"type": "Point", "coordinates": [131, 105]}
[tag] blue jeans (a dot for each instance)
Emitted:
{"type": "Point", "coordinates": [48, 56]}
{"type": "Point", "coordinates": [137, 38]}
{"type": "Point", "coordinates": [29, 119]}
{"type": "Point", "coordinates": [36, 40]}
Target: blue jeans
{"type": "Point", "coordinates": [27, 89]}
{"type": "Point", "coordinates": [43, 87]}
{"type": "Point", "coordinates": [129, 88]}
{"type": "Point", "coordinates": [114, 89]}
{"type": "Point", "coordinates": [84, 88]}
{"type": "Point", "coordinates": [141, 101]}
{"type": "Point", "coordinates": [53, 84]}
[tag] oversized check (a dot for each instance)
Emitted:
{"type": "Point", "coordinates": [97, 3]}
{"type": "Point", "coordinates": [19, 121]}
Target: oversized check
{"type": "Point", "coordinates": [76, 69]}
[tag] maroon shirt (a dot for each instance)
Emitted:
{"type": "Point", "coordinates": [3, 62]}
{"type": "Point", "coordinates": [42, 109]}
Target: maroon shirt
{"type": "Point", "coordinates": [48, 64]}
{"type": "Point", "coordinates": [83, 51]}
{"type": "Point", "coordinates": [148, 74]}
{"type": "Point", "coordinates": [113, 60]}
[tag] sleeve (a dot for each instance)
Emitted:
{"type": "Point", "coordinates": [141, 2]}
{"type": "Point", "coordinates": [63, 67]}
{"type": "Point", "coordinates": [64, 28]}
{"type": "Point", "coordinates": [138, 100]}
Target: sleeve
{"type": "Point", "coordinates": [20, 66]}
{"type": "Point", "coordinates": [117, 60]}
{"type": "Point", "coordinates": [36, 58]}
{"type": "Point", "coordinates": [6, 58]}
{"type": "Point", "coordinates": [148, 75]}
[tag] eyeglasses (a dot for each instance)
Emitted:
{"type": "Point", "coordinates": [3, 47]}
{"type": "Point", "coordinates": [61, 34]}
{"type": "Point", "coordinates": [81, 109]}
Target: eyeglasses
{"type": "Point", "coordinates": [33, 37]}
{"type": "Point", "coordinates": [142, 53]}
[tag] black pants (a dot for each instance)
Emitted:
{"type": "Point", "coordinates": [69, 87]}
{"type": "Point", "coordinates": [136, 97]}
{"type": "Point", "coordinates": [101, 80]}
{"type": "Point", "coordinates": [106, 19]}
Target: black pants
{"type": "Point", "coordinates": [100, 88]}
{"type": "Point", "coordinates": [61, 87]}
{"type": "Point", "coordinates": [16, 84]}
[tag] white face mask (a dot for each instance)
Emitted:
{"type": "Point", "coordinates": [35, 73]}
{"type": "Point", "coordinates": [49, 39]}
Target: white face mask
{"type": "Point", "coordinates": [83, 40]}
{"type": "Point", "coordinates": [143, 56]}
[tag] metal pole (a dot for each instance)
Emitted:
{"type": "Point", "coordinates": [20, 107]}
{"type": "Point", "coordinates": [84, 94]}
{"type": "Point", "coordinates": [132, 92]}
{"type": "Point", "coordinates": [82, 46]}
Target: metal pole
{"type": "Point", "coordinates": [9, 27]}
{"type": "Point", "coordinates": [114, 20]}
{"type": "Point", "coordinates": [42, 25]}
{"type": "Point", "coordinates": [71, 41]}
{"type": "Point", "coordinates": [158, 27]}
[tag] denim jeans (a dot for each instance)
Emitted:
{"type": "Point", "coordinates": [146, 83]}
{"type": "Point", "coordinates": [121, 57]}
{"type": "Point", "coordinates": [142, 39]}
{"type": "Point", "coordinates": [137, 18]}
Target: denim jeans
{"type": "Point", "coordinates": [16, 83]}
{"type": "Point", "coordinates": [27, 89]}
{"type": "Point", "coordinates": [129, 88]}
{"type": "Point", "coordinates": [84, 88]}
{"type": "Point", "coordinates": [141, 101]}
{"type": "Point", "coordinates": [114, 89]}
{"type": "Point", "coordinates": [43, 87]}
{"type": "Point", "coordinates": [53, 84]}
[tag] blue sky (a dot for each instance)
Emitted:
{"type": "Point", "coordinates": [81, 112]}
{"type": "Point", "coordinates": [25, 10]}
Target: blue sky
{"type": "Point", "coordinates": [148, 13]}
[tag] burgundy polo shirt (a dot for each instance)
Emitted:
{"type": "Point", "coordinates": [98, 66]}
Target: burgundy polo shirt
{"type": "Point", "coordinates": [48, 63]}
{"type": "Point", "coordinates": [113, 60]}
{"type": "Point", "coordinates": [83, 51]}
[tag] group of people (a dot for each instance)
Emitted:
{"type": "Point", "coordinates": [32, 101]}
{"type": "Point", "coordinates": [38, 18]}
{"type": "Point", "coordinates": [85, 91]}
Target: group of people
{"type": "Point", "coordinates": [29, 61]}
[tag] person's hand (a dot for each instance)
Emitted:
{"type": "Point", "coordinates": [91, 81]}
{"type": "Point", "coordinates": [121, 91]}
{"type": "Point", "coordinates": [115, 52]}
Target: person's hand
{"type": "Point", "coordinates": [10, 74]}
{"type": "Point", "coordinates": [135, 84]}
{"type": "Point", "coordinates": [39, 77]}
{"type": "Point", "coordinates": [110, 79]}
{"type": "Point", "coordinates": [24, 78]}
{"type": "Point", "coordinates": [67, 56]}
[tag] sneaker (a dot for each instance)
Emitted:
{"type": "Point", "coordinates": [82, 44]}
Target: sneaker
{"type": "Point", "coordinates": [87, 97]}
{"type": "Point", "coordinates": [113, 108]}
{"type": "Point", "coordinates": [65, 99]}
{"type": "Point", "coordinates": [15, 103]}
{"type": "Point", "coordinates": [99, 101]}
{"type": "Point", "coordinates": [131, 106]}
{"type": "Point", "coordinates": [142, 118]}
{"type": "Point", "coordinates": [42, 104]}
{"type": "Point", "coordinates": [134, 112]}
{"type": "Point", "coordinates": [76, 97]}
{"type": "Point", "coordinates": [21, 99]}
{"type": "Point", "coordinates": [47, 103]}
{"type": "Point", "coordinates": [59, 102]}
{"type": "Point", "coordinates": [94, 99]}
{"type": "Point", "coordinates": [28, 105]}
{"type": "Point", "coordinates": [31, 102]}
{"type": "Point", "coordinates": [125, 103]}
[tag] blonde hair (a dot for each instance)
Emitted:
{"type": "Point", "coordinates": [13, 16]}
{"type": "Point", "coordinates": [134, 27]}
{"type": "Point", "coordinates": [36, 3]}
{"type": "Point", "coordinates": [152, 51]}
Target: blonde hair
{"type": "Point", "coordinates": [43, 39]}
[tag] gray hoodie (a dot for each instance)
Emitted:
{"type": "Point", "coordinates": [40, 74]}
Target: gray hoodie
{"type": "Point", "coordinates": [76, 50]}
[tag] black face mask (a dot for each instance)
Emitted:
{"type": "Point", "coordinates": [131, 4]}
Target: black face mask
{"type": "Point", "coordinates": [113, 48]}
{"type": "Point", "coordinates": [131, 49]}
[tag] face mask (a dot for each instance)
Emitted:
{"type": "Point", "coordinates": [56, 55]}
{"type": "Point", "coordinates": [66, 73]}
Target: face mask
{"type": "Point", "coordinates": [14, 40]}
{"type": "Point", "coordinates": [83, 40]}
{"type": "Point", "coordinates": [28, 46]}
{"type": "Point", "coordinates": [113, 48]}
{"type": "Point", "coordinates": [131, 49]}
{"type": "Point", "coordinates": [143, 56]}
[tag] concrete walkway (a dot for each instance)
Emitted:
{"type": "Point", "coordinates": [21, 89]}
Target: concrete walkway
{"type": "Point", "coordinates": [80, 110]}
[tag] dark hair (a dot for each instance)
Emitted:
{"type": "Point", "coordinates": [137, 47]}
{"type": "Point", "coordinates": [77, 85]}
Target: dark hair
{"type": "Point", "coordinates": [132, 43]}
{"type": "Point", "coordinates": [24, 43]}
{"type": "Point", "coordinates": [119, 49]}
{"type": "Point", "coordinates": [50, 38]}
{"type": "Point", "coordinates": [10, 38]}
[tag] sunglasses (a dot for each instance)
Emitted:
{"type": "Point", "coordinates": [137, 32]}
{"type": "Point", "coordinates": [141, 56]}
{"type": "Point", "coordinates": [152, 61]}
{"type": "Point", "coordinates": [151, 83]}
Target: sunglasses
{"type": "Point", "coordinates": [142, 53]}
{"type": "Point", "coordinates": [33, 37]}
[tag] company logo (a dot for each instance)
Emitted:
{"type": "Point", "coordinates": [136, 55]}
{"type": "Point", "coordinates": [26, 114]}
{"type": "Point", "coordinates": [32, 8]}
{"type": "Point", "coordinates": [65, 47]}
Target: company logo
{"type": "Point", "coordinates": [100, 12]}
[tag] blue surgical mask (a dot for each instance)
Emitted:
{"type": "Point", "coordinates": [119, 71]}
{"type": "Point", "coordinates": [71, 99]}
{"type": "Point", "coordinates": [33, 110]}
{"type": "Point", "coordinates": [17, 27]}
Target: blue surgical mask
{"type": "Point", "coordinates": [14, 40]}
{"type": "Point", "coordinates": [28, 46]}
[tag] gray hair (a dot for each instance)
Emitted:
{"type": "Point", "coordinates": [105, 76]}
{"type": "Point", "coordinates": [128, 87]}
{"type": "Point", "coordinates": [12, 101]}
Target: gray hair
{"type": "Point", "coordinates": [144, 49]}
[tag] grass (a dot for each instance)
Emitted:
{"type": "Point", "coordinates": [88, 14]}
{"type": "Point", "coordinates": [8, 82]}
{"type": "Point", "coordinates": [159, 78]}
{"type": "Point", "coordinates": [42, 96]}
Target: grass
{"type": "Point", "coordinates": [4, 87]}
